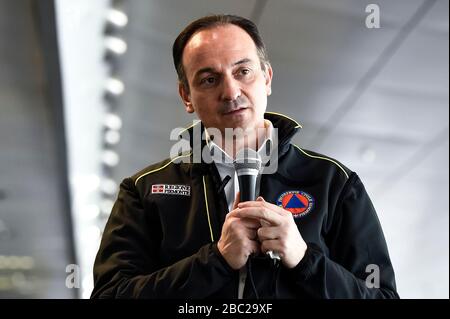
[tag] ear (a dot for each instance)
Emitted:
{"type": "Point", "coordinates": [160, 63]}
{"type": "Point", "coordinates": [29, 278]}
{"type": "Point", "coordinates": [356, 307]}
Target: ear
{"type": "Point", "coordinates": [185, 97]}
{"type": "Point", "coordinates": [268, 73]}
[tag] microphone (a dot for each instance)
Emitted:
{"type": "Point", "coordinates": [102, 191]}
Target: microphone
{"type": "Point", "coordinates": [247, 165]}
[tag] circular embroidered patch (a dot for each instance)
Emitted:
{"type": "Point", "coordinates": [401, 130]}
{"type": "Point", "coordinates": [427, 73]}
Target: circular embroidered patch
{"type": "Point", "coordinates": [298, 203]}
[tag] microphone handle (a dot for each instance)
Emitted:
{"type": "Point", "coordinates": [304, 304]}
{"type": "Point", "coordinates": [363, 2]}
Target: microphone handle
{"type": "Point", "coordinates": [247, 187]}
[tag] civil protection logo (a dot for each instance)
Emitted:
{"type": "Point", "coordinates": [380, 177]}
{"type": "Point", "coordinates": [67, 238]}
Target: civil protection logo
{"type": "Point", "coordinates": [299, 203]}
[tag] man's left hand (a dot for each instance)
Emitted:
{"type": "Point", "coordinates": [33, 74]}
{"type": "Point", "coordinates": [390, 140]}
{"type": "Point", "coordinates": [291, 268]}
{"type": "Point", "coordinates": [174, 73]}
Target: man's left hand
{"type": "Point", "coordinates": [278, 231]}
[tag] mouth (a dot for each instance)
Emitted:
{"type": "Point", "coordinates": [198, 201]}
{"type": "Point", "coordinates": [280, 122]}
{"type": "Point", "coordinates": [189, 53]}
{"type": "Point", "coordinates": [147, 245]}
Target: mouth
{"type": "Point", "coordinates": [236, 111]}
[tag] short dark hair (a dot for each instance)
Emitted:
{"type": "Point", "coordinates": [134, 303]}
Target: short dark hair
{"type": "Point", "coordinates": [210, 22]}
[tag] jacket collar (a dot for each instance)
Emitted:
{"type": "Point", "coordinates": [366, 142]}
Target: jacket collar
{"type": "Point", "coordinates": [286, 129]}
{"type": "Point", "coordinates": [286, 126]}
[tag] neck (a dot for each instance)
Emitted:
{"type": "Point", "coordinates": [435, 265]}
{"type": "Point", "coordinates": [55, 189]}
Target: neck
{"type": "Point", "coordinates": [236, 139]}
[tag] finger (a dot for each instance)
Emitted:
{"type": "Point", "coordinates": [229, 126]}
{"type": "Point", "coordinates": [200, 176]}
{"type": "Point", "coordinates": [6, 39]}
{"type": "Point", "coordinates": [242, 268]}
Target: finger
{"type": "Point", "coordinates": [250, 223]}
{"type": "Point", "coordinates": [239, 222]}
{"type": "Point", "coordinates": [264, 223]}
{"type": "Point", "coordinates": [255, 247]}
{"type": "Point", "coordinates": [260, 202]}
{"type": "Point", "coordinates": [233, 213]}
{"type": "Point", "coordinates": [268, 233]}
{"type": "Point", "coordinates": [271, 245]}
{"type": "Point", "coordinates": [252, 203]}
{"type": "Point", "coordinates": [260, 213]}
{"type": "Point", "coordinates": [236, 200]}
{"type": "Point", "coordinates": [259, 199]}
{"type": "Point", "coordinates": [252, 234]}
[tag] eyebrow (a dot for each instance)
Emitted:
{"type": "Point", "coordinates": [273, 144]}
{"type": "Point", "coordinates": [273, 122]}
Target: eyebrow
{"type": "Point", "coordinates": [246, 60]}
{"type": "Point", "coordinates": [212, 70]}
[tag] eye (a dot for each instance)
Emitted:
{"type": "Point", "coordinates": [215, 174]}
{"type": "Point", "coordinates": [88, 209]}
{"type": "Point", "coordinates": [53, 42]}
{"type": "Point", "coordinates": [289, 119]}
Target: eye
{"type": "Point", "coordinates": [208, 80]}
{"type": "Point", "coordinates": [245, 71]}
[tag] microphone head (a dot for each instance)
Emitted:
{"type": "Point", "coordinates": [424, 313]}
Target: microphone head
{"type": "Point", "coordinates": [247, 162]}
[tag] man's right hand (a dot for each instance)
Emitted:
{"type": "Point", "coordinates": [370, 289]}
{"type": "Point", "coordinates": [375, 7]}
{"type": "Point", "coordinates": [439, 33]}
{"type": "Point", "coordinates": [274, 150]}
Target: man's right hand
{"type": "Point", "coordinates": [239, 238]}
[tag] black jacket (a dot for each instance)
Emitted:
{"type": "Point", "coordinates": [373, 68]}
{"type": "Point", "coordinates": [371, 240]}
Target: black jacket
{"type": "Point", "coordinates": [158, 245]}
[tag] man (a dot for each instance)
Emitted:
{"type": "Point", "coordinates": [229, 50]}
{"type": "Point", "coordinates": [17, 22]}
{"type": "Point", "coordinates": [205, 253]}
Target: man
{"type": "Point", "coordinates": [178, 230]}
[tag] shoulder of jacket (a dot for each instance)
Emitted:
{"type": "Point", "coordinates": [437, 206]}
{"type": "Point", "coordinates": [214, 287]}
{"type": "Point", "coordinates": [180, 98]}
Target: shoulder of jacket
{"type": "Point", "coordinates": [159, 167]}
{"type": "Point", "coordinates": [346, 172]}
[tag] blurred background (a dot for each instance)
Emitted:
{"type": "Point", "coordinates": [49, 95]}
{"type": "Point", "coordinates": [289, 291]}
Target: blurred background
{"type": "Point", "coordinates": [88, 96]}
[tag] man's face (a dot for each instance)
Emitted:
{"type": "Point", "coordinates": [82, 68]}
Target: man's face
{"type": "Point", "coordinates": [227, 86]}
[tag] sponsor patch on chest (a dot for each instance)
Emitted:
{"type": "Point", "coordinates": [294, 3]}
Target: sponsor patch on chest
{"type": "Point", "coordinates": [171, 189]}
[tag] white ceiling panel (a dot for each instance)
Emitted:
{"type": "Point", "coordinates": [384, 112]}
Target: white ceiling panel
{"type": "Point", "coordinates": [149, 64]}
{"type": "Point", "coordinates": [437, 18]}
{"type": "Point", "coordinates": [394, 113]}
{"type": "Point", "coordinates": [420, 64]}
{"type": "Point", "coordinates": [392, 12]}
{"type": "Point", "coordinates": [415, 221]}
{"type": "Point", "coordinates": [169, 17]}
{"type": "Point", "coordinates": [321, 52]}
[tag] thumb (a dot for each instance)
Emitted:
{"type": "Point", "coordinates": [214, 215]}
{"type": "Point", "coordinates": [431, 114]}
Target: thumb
{"type": "Point", "coordinates": [236, 200]}
{"type": "Point", "coordinates": [263, 222]}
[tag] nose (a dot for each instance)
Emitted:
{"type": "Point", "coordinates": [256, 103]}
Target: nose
{"type": "Point", "coordinates": [230, 88]}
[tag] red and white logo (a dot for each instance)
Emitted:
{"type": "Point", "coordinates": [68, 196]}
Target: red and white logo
{"type": "Point", "coordinates": [171, 189]}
